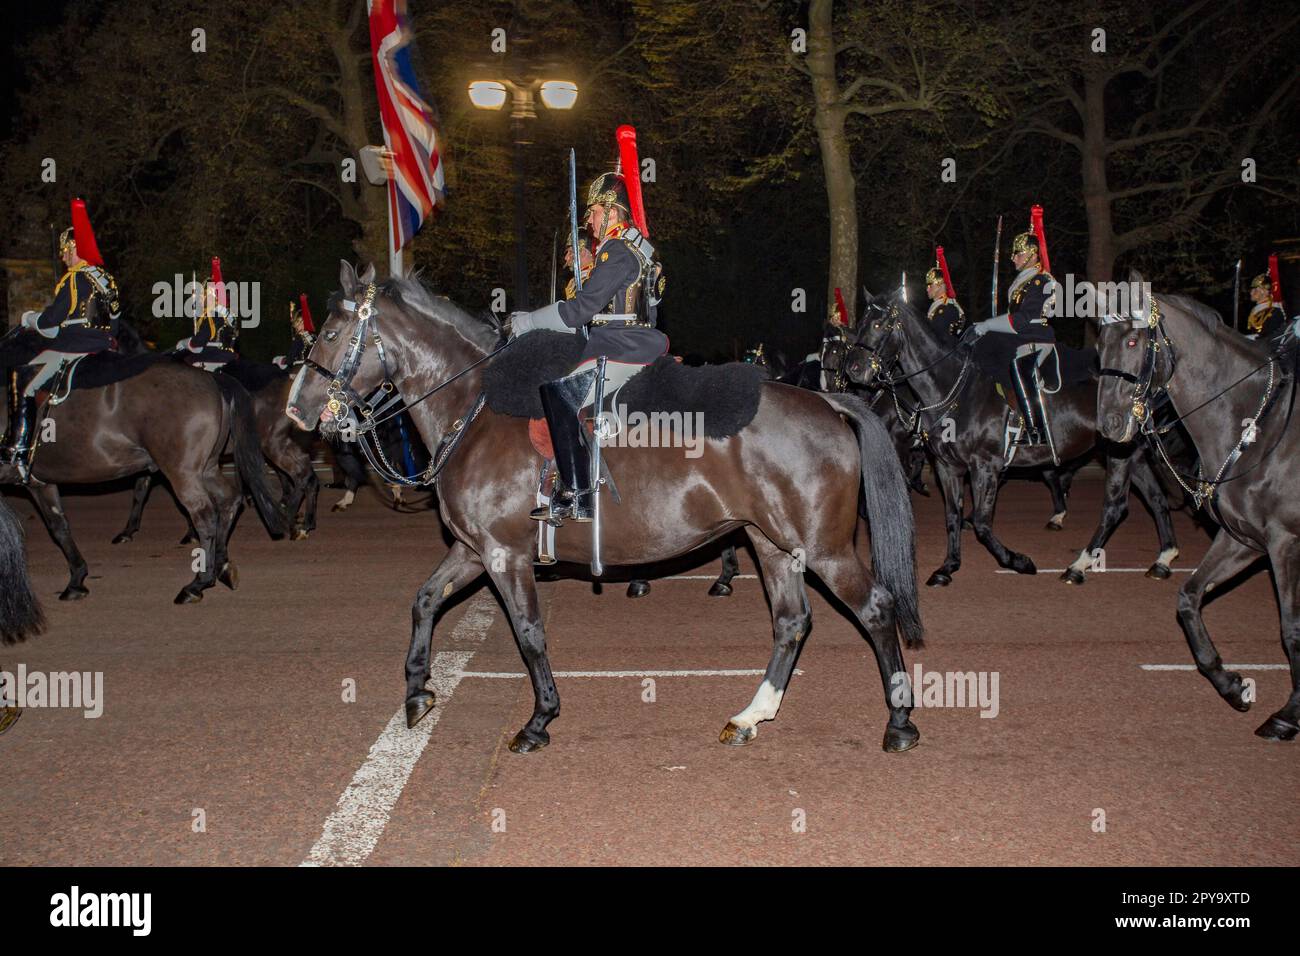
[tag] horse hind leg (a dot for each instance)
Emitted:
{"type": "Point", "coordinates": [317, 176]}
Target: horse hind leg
{"type": "Point", "coordinates": [1055, 485]}
{"type": "Point", "coordinates": [730, 568]}
{"type": "Point", "coordinates": [50, 506]}
{"type": "Point", "coordinates": [1285, 723]}
{"type": "Point", "coordinates": [204, 512]}
{"type": "Point", "coordinates": [139, 495]}
{"type": "Point", "coordinates": [791, 621]}
{"type": "Point", "coordinates": [518, 591]}
{"type": "Point", "coordinates": [872, 605]}
{"type": "Point", "coordinates": [1148, 486]}
{"type": "Point", "coordinates": [457, 569]}
{"type": "Point", "coordinates": [984, 497]}
{"type": "Point", "coordinates": [229, 502]}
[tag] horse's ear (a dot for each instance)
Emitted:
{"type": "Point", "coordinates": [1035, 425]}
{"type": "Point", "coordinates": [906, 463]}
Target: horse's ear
{"type": "Point", "coordinates": [347, 277]}
{"type": "Point", "coordinates": [867, 297]}
{"type": "Point", "coordinates": [1134, 277]}
{"type": "Point", "coordinates": [368, 276]}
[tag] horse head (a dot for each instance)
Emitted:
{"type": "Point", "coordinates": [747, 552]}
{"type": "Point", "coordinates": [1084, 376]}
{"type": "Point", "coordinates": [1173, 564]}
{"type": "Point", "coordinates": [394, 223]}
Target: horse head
{"type": "Point", "coordinates": [877, 343]}
{"type": "Point", "coordinates": [1133, 363]}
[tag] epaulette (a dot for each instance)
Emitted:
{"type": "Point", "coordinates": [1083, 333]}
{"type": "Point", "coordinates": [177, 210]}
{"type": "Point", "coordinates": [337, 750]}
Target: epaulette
{"type": "Point", "coordinates": [638, 244]}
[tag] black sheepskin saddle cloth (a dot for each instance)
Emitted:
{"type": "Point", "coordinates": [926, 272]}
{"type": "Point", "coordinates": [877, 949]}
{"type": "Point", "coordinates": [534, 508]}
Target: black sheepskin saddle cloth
{"type": "Point", "coordinates": [726, 396]}
{"type": "Point", "coordinates": [254, 376]}
{"type": "Point", "coordinates": [108, 368]}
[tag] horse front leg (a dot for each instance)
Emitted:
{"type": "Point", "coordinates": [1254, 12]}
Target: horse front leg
{"type": "Point", "coordinates": [1226, 557]}
{"type": "Point", "coordinates": [50, 506]}
{"type": "Point", "coordinates": [1053, 479]}
{"type": "Point", "coordinates": [139, 495]}
{"type": "Point", "coordinates": [984, 498]}
{"type": "Point", "coordinates": [517, 589]}
{"type": "Point", "coordinates": [1114, 509]}
{"type": "Point", "coordinates": [1285, 723]}
{"type": "Point", "coordinates": [952, 481]}
{"type": "Point", "coordinates": [457, 569]}
{"type": "Point", "coordinates": [730, 568]}
{"type": "Point", "coordinates": [1148, 486]}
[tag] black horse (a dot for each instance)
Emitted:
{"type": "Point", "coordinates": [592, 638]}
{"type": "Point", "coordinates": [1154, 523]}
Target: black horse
{"type": "Point", "coordinates": [964, 422]}
{"type": "Point", "coordinates": [1236, 399]}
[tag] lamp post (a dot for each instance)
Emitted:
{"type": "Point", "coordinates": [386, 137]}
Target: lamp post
{"type": "Point", "coordinates": [523, 95]}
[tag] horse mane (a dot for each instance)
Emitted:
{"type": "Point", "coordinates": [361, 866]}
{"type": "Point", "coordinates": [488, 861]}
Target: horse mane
{"type": "Point", "coordinates": [417, 296]}
{"type": "Point", "coordinates": [1213, 323]}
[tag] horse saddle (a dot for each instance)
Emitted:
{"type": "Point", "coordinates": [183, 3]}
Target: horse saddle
{"type": "Point", "coordinates": [98, 369]}
{"type": "Point", "coordinates": [726, 396]}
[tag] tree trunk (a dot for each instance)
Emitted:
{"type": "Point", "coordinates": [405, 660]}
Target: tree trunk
{"type": "Point", "coordinates": [841, 190]}
{"type": "Point", "coordinates": [1096, 188]}
{"type": "Point", "coordinates": [363, 203]}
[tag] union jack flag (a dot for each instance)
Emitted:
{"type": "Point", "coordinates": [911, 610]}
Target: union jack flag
{"type": "Point", "coordinates": [415, 184]}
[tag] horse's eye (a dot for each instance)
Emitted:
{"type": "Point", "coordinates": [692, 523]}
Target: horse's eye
{"type": "Point", "coordinates": [875, 325]}
{"type": "Point", "coordinates": [331, 335]}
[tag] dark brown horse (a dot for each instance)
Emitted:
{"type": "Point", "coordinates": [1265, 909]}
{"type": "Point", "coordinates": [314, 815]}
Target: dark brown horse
{"type": "Point", "coordinates": [285, 448]}
{"type": "Point", "coordinates": [791, 479]}
{"type": "Point", "coordinates": [1237, 401]}
{"type": "Point", "coordinates": [21, 616]}
{"type": "Point", "coordinates": [170, 418]}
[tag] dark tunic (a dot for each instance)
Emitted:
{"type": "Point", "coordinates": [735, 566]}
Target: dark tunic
{"type": "Point", "coordinates": [214, 340]}
{"type": "Point", "coordinates": [614, 285]}
{"type": "Point", "coordinates": [65, 323]}
{"type": "Point", "coordinates": [1030, 302]}
{"type": "Point", "coordinates": [1272, 325]}
{"type": "Point", "coordinates": [947, 318]}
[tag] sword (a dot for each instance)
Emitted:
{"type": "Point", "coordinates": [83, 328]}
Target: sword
{"type": "Point", "coordinates": [555, 243]}
{"type": "Point", "coordinates": [997, 255]}
{"type": "Point", "coordinates": [902, 285]}
{"type": "Point", "coordinates": [597, 566]}
{"type": "Point", "coordinates": [573, 227]}
{"type": "Point", "coordinates": [1236, 296]}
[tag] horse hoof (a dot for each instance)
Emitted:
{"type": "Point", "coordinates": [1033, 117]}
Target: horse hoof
{"type": "Point", "coordinates": [921, 488]}
{"type": "Point", "coordinates": [1055, 526]}
{"type": "Point", "coordinates": [734, 736]}
{"type": "Point", "coordinates": [1159, 571]}
{"type": "Point", "coordinates": [1277, 728]}
{"type": "Point", "coordinates": [1072, 576]}
{"type": "Point", "coordinates": [638, 589]}
{"type": "Point", "coordinates": [939, 580]}
{"type": "Point", "coordinates": [189, 596]}
{"type": "Point", "coordinates": [8, 715]}
{"type": "Point", "coordinates": [73, 592]}
{"type": "Point", "coordinates": [900, 739]}
{"type": "Point", "coordinates": [1231, 691]}
{"type": "Point", "coordinates": [526, 742]}
{"type": "Point", "coordinates": [1022, 564]}
{"type": "Point", "coordinates": [299, 534]}
{"type": "Point", "coordinates": [190, 539]}
{"type": "Point", "coordinates": [339, 508]}
{"type": "Point", "coordinates": [967, 524]}
{"type": "Point", "coordinates": [417, 707]}
{"type": "Point", "coordinates": [720, 590]}
{"type": "Point", "coordinates": [123, 538]}
{"type": "Point", "coordinates": [229, 576]}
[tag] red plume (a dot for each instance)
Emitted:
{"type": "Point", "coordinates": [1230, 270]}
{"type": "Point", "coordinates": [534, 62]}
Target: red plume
{"type": "Point", "coordinates": [306, 313]}
{"type": "Point", "coordinates": [1036, 223]}
{"type": "Point", "coordinates": [1275, 280]}
{"type": "Point", "coordinates": [943, 267]}
{"type": "Point", "coordinates": [631, 164]}
{"type": "Point", "coordinates": [87, 248]}
{"type": "Point", "coordinates": [217, 282]}
{"type": "Point", "coordinates": [841, 310]}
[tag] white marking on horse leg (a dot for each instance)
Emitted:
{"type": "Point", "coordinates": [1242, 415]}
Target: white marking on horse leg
{"type": "Point", "coordinates": [1058, 518]}
{"type": "Point", "coordinates": [1166, 557]}
{"type": "Point", "coordinates": [346, 501]}
{"type": "Point", "coordinates": [1083, 562]}
{"type": "Point", "coordinates": [766, 702]}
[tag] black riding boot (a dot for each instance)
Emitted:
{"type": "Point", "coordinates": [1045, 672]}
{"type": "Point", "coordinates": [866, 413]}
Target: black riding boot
{"type": "Point", "coordinates": [22, 415]}
{"type": "Point", "coordinates": [572, 496]}
{"type": "Point", "coordinates": [1027, 396]}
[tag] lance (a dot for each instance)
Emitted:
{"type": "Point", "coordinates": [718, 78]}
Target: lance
{"type": "Point", "coordinates": [1236, 296]}
{"type": "Point", "coordinates": [573, 227]}
{"type": "Point", "coordinates": [997, 254]}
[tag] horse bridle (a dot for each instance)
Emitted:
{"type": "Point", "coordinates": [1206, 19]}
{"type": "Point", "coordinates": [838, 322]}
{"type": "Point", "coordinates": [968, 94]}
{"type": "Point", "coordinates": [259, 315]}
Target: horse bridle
{"type": "Point", "coordinates": [1144, 381]}
{"type": "Point", "coordinates": [343, 400]}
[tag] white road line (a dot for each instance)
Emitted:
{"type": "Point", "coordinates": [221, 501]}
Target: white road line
{"type": "Point", "coordinates": [750, 672]}
{"type": "Point", "coordinates": [705, 577]}
{"type": "Point", "coordinates": [1230, 667]}
{"type": "Point", "coordinates": [358, 821]}
{"type": "Point", "coordinates": [1107, 571]}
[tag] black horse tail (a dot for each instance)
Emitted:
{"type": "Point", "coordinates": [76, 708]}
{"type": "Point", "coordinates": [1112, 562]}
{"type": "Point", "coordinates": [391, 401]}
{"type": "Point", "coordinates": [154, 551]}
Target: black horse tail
{"type": "Point", "coordinates": [888, 511]}
{"type": "Point", "coordinates": [248, 455]}
{"type": "Point", "coordinates": [21, 616]}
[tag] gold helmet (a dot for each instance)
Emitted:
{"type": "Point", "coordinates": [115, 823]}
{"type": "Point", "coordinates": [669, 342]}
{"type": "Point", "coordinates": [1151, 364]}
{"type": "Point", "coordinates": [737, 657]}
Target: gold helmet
{"type": "Point", "coordinates": [1024, 242]}
{"type": "Point", "coordinates": [1261, 281]}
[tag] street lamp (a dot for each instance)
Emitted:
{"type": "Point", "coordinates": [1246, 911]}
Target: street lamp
{"type": "Point", "coordinates": [491, 94]}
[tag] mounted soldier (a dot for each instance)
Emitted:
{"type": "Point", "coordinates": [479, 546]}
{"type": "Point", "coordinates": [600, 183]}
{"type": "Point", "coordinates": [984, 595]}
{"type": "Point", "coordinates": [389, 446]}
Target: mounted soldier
{"type": "Point", "coordinates": [1267, 320]}
{"type": "Point", "coordinates": [216, 334]}
{"type": "Point", "coordinates": [304, 334]}
{"type": "Point", "coordinates": [616, 307]}
{"type": "Point", "coordinates": [82, 320]}
{"type": "Point", "coordinates": [945, 314]}
{"type": "Point", "coordinates": [1030, 302]}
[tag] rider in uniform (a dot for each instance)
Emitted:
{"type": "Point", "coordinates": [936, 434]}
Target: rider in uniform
{"type": "Point", "coordinates": [947, 317]}
{"type": "Point", "coordinates": [1267, 319]}
{"type": "Point", "coordinates": [69, 327]}
{"type": "Point", "coordinates": [617, 307]}
{"type": "Point", "coordinates": [216, 335]}
{"type": "Point", "coordinates": [1030, 301]}
{"type": "Point", "coordinates": [304, 334]}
